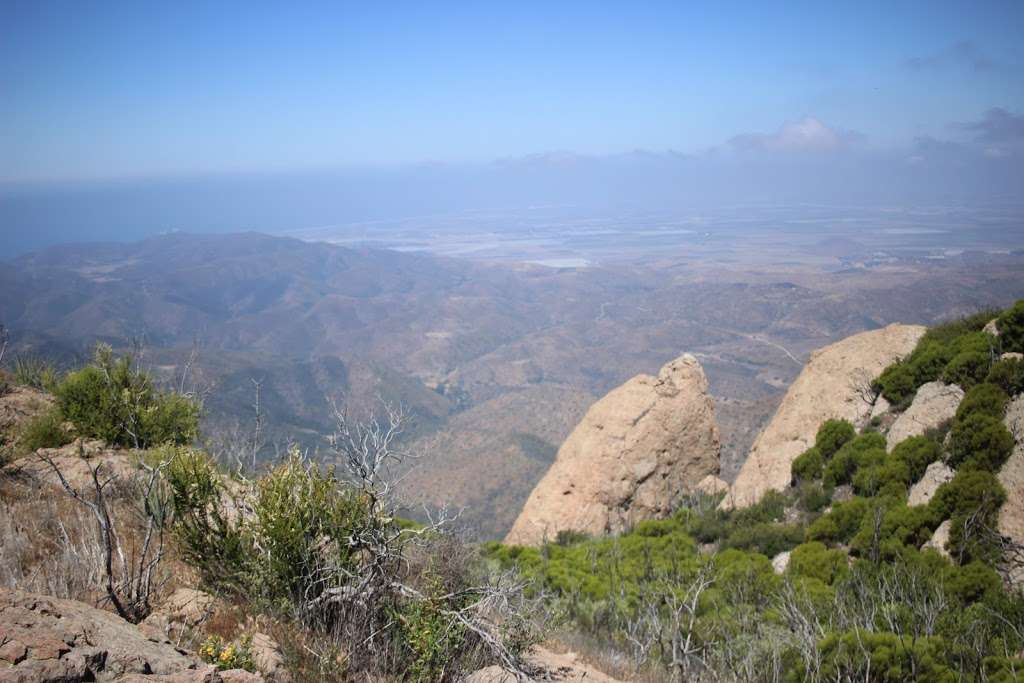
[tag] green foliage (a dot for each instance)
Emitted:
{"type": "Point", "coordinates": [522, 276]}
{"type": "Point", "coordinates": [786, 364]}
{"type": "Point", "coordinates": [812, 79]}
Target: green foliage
{"type": "Point", "coordinates": [979, 441]}
{"type": "Point", "coordinates": [967, 368]}
{"type": "Point", "coordinates": [934, 355]}
{"type": "Point", "coordinates": [883, 658]}
{"type": "Point", "coordinates": [207, 537]}
{"type": "Point", "coordinates": [226, 656]}
{"type": "Point", "coordinates": [1011, 328]}
{"type": "Point", "coordinates": [862, 451]}
{"type": "Point", "coordinates": [808, 466]}
{"type": "Point", "coordinates": [841, 523]}
{"type": "Point", "coordinates": [765, 538]}
{"type": "Point", "coordinates": [812, 497]}
{"type": "Point", "coordinates": [43, 431]}
{"type": "Point", "coordinates": [814, 560]}
{"type": "Point", "coordinates": [917, 453]}
{"type": "Point", "coordinates": [889, 474]}
{"type": "Point", "coordinates": [888, 527]}
{"type": "Point", "coordinates": [985, 399]}
{"type": "Point", "coordinates": [1008, 375]}
{"type": "Point", "coordinates": [35, 372]}
{"type": "Point", "coordinates": [897, 384]}
{"type": "Point", "coordinates": [428, 635]}
{"type": "Point", "coordinates": [114, 401]}
{"type": "Point", "coordinates": [832, 435]}
{"type": "Point", "coordinates": [971, 501]}
{"type": "Point", "coordinates": [295, 508]}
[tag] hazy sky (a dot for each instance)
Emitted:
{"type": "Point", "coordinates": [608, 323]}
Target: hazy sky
{"type": "Point", "coordinates": [101, 90]}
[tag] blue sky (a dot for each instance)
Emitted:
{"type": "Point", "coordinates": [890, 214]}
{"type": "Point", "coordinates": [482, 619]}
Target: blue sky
{"type": "Point", "coordinates": [107, 90]}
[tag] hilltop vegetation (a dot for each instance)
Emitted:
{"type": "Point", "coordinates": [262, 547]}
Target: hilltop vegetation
{"type": "Point", "coordinates": [838, 578]}
{"type": "Point", "coordinates": [316, 554]}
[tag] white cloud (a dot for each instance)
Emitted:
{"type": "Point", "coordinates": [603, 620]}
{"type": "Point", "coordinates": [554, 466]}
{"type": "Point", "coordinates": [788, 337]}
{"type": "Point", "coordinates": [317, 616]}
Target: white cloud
{"type": "Point", "coordinates": [806, 135]}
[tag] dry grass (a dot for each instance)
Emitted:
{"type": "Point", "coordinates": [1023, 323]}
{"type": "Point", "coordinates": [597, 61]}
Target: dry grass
{"type": "Point", "coordinates": [51, 544]}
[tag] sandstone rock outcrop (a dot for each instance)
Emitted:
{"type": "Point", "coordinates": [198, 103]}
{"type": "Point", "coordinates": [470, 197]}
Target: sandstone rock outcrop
{"type": "Point", "coordinates": [633, 454]}
{"type": "Point", "coordinates": [939, 539]}
{"type": "Point", "coordinates": [935, 476]}
{"type": "Point", "coordinates": [712, 485]}
{"type": "Point", "coordinates": [934, 403]}
{"type": "Point", "coordinates": [1011, 476]}
{"type": "Point", "coordinates": [832, 385]}
{"type": "Point", "coordinates": [48, 639]}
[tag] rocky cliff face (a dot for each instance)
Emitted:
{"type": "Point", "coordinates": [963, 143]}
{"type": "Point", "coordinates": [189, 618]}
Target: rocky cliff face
{"type": "Point", "coordinates": [634, 453]}
{"type": "Point", "coordinates": [833, 384]}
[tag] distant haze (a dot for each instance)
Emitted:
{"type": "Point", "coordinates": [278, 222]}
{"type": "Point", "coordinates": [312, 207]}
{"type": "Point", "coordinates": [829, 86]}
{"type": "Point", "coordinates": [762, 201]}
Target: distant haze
{"type": "Point", "coordinates": [35, 215]}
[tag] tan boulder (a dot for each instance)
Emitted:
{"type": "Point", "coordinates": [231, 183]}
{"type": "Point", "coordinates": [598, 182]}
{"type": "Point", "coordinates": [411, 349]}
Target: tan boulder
{"type": "Point", "coordinates": [939, 539]}
{"type": "Point", "coordinates": [636, 451]}
{"type": "Point", "coordinates": [835, 383]}
{"type": "Point", "coordinates": [992, 327]}
{"type": "Point", "coordinates": [1012, 355]}
{"type": "Point", "coordinates": [935, 476]}
{"type": "Point", "coordinates": [934, 403]}
{"type": "Point", "coordinates": [76, 462]}
{"type": "Point", "coordinates": [547, 665]}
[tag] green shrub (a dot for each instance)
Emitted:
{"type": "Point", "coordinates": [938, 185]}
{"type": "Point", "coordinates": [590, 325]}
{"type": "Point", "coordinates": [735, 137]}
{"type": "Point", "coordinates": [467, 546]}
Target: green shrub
{"type": "Point", "coordinates": [812, 497]}
{"type": "Point", "coordinates": [967, 368]}
{"type": "Point", "coordinates": [979, 441]}
{"type": "Point", "coordinates": [295, 507]}
{"type": "Point", "coordinates": [985, 399]}
{"type": "Point", "coordinates": [1011, 328]}
{"type": "Point", "coordinates": [814, 560]}
{"type": "Point", "coordinates": [861, 451]}
{"type": "Point", "coordinates": [896, 384]}
{"type": "Point", "coordinates": [917, 453]}
{"type": "Point", "coordinates": [832, 435]}
{"type": "Point", "coordinates": [807, 466]}
{"type": "Point", "coordinates": [839, 524]}
{"type": "Point", "coordinates": [35, 372]}
{"type": "Point", "coordinates": [112, 400]}
{"type": "Point", "coordinates": [766, 538]}
{"type": "Point", "coordinates": [948, 332]}
{"type": "Point", "coordinates": [891, 474]}
{"type": "Point", "coordinates": [901, 525]}
{"type": "Point", "coordinates": [1008, 375]}
{"type": "Point", "coordinates": [43, 431]}
{"type": "Point", "coordinates": [971, 501]}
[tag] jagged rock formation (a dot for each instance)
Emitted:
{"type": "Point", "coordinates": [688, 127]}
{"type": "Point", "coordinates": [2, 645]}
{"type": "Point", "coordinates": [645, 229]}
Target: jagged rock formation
{"type": "Point", "coordinates": [1011, 476]}
{"type": "Point", "coordinates": [834, 384]}
{"type": "Point", "coordinates": [936, 475]}
{"type": "Point", "coordinates": [635, 451]}
{"type": "Point", "coordinates": [934, 403]}
{"type": "Point", "coordinates": [48, 639]}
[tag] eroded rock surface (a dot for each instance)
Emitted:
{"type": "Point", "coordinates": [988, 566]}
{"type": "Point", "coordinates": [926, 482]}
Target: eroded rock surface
{"type": "Point", "coordinates": [934, 403]}
{"type": "Point", "coordinates": [49, 639]}
{"type": "Point", "coordinates": [634, 453]}
{"type": "Point", "coordinates": [1011, 476]}
{"type": "Point", "coordinates": [935, 476]}
{"type": "Point", "coordinates": [834, 384]}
